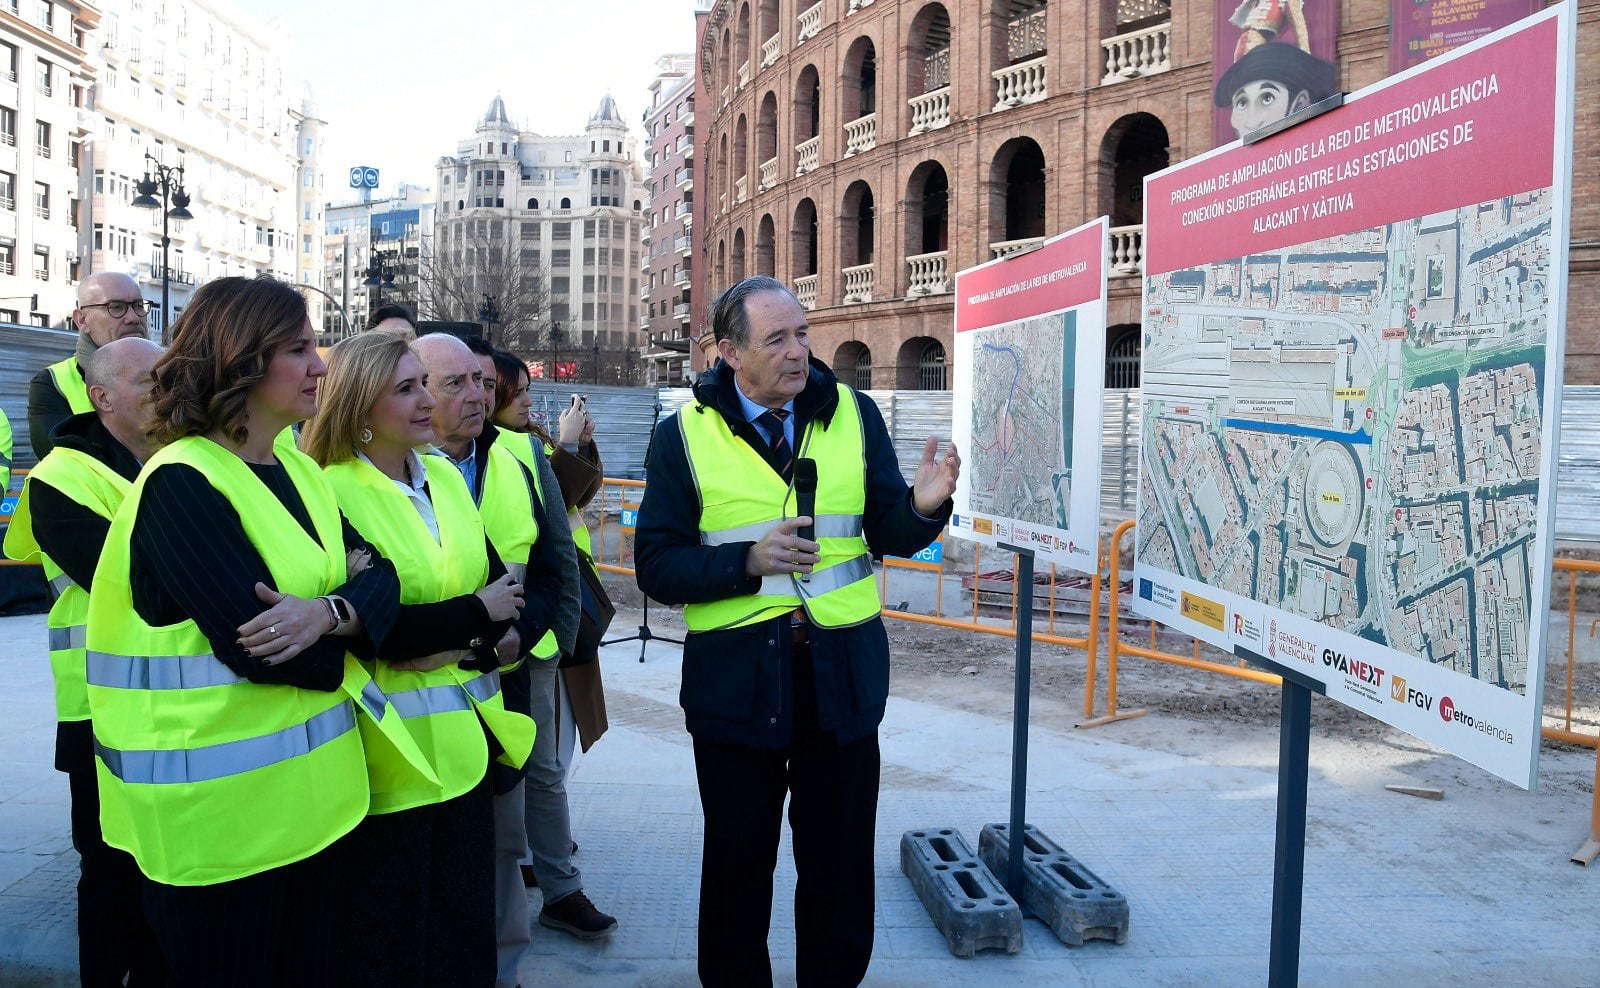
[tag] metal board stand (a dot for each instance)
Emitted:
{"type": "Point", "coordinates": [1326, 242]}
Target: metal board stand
{"type": "Point", "coordinates": [1019, 720]}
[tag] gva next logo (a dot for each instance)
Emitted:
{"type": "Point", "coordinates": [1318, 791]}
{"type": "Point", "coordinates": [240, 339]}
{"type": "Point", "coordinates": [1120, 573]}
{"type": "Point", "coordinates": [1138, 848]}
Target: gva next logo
{"type": "Point", "coordinates": [1364, 672]}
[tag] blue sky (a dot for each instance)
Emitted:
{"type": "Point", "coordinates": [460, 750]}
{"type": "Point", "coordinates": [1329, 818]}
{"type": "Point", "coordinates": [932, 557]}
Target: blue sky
{"type": "Point", "coordinates": [400, 82]}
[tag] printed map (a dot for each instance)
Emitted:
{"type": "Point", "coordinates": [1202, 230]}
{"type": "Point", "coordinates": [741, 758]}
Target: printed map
{"type": "Point", "coordinates": [1022, 393]}
{"type": "Point", "coordinates": [1349, 430]}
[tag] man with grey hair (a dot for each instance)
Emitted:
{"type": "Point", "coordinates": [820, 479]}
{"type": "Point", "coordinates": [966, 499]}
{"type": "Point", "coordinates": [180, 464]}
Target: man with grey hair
{"type": "Point", "coordinates": [110, 307]}
{"type": "Point", "coordinates": [63, 515]}
{"type": "Point", "coordinates": [767, 498]}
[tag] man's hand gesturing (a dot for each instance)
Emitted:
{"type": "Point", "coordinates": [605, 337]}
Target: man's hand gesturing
{"type": "Point", "coordinates": [935, 481]}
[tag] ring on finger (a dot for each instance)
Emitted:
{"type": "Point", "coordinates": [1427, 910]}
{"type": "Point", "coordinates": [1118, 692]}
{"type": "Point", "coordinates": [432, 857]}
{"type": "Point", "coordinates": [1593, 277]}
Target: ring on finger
{"type": "Point", "coordinates": [273, 631]}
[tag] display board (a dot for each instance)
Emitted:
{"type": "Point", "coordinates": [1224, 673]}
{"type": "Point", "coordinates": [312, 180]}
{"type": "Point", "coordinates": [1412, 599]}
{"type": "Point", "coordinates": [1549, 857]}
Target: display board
{"type": "Point", "coordinates": [1351, 372]}
{"type": "Point", "coordinates": [1029, 347]}
{"type": "Point", "coordinates": [1424, 29]}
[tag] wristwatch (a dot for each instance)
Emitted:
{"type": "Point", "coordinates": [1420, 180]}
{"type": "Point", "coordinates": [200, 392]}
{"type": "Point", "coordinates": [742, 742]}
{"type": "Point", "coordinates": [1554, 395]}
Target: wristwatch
{"type": "Point", "coordinates": [338, 610]}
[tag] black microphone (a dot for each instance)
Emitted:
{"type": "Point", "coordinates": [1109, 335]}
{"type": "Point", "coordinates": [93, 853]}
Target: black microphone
{"type": "Point", "coordinates": [805, 489]}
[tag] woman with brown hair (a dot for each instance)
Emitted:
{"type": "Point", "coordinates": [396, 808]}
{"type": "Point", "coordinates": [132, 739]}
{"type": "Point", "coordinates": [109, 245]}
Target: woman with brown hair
{"type": "Point", "coordinates": [424, 858]}
{"type": "Point", "coordinates": [221, 686]}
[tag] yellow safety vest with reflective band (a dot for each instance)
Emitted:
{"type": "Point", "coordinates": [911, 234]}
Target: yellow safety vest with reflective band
{"type": "Point", "coordinates": [7, 451]}
{"type": "Point", "coordinates": [206, 777]}
{"type": "Point", "coordinates": [742, 499]}
{"type": "Point", "coordinates": [440, 707]}
{"type": "Point", "coordinates": [509, 515]}
{"type": "Point", "coordinates": [69, 381]}
{"type": "Point", "coordinates": [100, 489]}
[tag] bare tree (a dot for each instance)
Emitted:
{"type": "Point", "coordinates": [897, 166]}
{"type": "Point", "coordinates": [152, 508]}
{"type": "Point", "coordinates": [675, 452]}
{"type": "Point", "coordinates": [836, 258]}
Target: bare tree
{"type": "Point", "coordinates": [458, 273]}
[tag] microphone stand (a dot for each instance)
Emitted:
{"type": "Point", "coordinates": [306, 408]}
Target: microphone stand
{"type": "Point", "coordinates": [645, 635]}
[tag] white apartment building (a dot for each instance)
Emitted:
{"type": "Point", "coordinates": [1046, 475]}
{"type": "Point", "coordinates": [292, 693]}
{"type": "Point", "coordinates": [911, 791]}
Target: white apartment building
{"type": "Point", "coordinates": [194, 83]}
{"type": "Point", "coordinates": [570, 206]}
{"type": "Point", "coordinates": [44, 84]}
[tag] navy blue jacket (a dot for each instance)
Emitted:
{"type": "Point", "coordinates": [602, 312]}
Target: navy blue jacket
{"type": "Point", "coordinates": [738, 683]}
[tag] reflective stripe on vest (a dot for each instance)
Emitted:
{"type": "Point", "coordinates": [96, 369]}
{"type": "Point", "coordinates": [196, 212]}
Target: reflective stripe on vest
{"type": "Point", "coordinates": [742, 499]}
{"type": "Point", "coordinates": [827, 527]}
{"type": "Point", "coordinates": [61, 584]}
{"type": "Point", "coordinates": [69, 637]}
{"type": "Point", "coordinates": [178, 766]}
{"type": "Point", "coordinates": [69, 381]}
{"type": "Point", "coordinates": [160, 672]}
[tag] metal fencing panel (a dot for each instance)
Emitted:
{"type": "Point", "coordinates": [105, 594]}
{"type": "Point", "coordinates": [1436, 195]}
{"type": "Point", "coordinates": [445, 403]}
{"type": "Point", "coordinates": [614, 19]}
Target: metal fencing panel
{"type": "Point", "coordinates": [24, 351]}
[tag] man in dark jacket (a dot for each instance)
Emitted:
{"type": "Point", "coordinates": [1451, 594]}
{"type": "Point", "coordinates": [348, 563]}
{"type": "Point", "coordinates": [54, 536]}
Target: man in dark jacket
{"type": "Point", "coordinates": [109, 308]}
{"type": "Point", "coordinates": [786, 667]}
{"type": "Point", "coordinates": [114, 940]}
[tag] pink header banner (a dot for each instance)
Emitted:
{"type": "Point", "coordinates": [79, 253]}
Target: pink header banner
{"type": "Point", "coordinates": [1063, 273]}
{"type": "Point", "coordinates": [1463, 130]}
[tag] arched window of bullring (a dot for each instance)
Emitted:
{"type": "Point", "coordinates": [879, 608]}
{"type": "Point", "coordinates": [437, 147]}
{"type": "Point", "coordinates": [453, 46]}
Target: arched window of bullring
{"type": "Point", "coordinates": [1133, 147]}
{"type": "Point", "coordinates": [737, 258]}
{"type": "Point", "coordinates": [807, 107]}
{"type": "Point", "coordinates": [928, 56]}
{"type": "Point", "coordinates": [1016, 194]}
{"type": "Point", "coordinates": [741, 150]}
{"type": "Point", "coordinates": [920, 365]}
{"type": "Point", "coordinates": [766, 235]}
{"type": "Point", "coordinates": [856, 238]}
{"type": "Point", "coordinates": [722, 267]}
{"type": "Point", "coordinates": [767, 22]}
{"type": "Point", "coordinates": [741, 40]}
{"type": "Point", "coordinates": [1122, 356]}
{"type": "Point", "coordinates": [803, 240]}
{"type": "Point", "coordinates": [725, 56]}
{"type": "Point", "coordinates": [767, 135]}
{"type": "Point", "coordinates": [725, 180]}
{"type": "Point", "coordinates": [852, 363]}
{"type": "Point", "coordinates": [927, 209]}
{"type": "Point", "coordinates": [1018, 31]}
{"type": "Point", "coordinates": [860, 79]}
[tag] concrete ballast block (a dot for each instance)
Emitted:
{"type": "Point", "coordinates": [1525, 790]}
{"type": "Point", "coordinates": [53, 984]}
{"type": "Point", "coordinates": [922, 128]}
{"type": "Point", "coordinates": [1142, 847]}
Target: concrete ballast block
{"type": "Point", "coordinates": [967, 904]}
{"type": "Point", "coordinates": [1057, 888]}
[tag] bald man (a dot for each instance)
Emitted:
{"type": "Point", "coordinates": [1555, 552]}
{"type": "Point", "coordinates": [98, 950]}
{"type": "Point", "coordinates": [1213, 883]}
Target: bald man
{"type": "Point", "coordinates": [64, 513]}
{"type": "Point", "coordinates": [109, 308]}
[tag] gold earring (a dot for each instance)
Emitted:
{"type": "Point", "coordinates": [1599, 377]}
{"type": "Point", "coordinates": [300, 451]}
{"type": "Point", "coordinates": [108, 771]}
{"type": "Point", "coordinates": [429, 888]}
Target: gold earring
{"type": "Point", "coordinates": [366, 435]}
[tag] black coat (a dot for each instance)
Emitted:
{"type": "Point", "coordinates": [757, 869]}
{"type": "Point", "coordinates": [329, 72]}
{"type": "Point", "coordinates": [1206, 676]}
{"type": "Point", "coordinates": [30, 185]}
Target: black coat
{"type": "Point", "coordinates": [737, 683]}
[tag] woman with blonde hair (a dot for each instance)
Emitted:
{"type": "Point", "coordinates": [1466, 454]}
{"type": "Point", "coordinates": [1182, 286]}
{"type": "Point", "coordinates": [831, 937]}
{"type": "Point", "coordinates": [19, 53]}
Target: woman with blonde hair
{"type": "Point", "coordinates": [424, 857]}
{"type": "Point", "coordinates": [221, 686]}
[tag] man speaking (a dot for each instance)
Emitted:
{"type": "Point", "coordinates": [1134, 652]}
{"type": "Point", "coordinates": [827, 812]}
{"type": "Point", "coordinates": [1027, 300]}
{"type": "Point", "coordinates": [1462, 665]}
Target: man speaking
{"type": "Point", "coordinates": [786, 666]}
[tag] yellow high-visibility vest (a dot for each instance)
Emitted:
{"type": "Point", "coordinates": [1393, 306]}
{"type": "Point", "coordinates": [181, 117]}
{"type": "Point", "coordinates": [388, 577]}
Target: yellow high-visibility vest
{"type": "Point", "coordinates": [206, 777]}
{"type": "Point", "coordinates": [97, 487]}
{"type": "Point", "coordinates": [509, 515]}
{"type": "Point", "coordinates": [441, 707]}
{"type": "Point", "coordinates": [742, 499]}
{"type": "Point", "coordinates": [69, 381]}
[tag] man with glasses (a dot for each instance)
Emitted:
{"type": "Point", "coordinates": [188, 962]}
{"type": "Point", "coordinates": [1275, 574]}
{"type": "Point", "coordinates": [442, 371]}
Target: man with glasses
{"type": "Point", "coordinates": [109, 308]}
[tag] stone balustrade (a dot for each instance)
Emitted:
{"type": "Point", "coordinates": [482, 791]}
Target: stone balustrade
{"type": "Point", "coordinates": [769, 174]}
{"type": "Point", "coordinates": [770, 49]}
{"type": "Point", "coordinates": [805, 289]}
{"type": "Point", "coordinates": [744, 73]}
{"type": "Point", "coordinates": [1018, 84]}
{"type": "Point", "coordinates": [861, 134]}
{"type": "Point", "coordinates": [928, 274]}
{"type": "Point", "coordinates": [741, 189]}
{"type": "Point", "coordinates": [930, 111]}
{"type": "Point", "coordinates": [856, 5]}
{"type": "Point", "coordinates": [806, 156]}
{"type": "Point", "coordinates": [857, 284]}
{"type": "Point", "coordinates": [810, 21]}
{"type": "Point", "coordinates": [1005, 248]}
{"type": "Point", "coordinates": [1127, 250]}
{"type": "Point", "coordinates": [1137, 53]}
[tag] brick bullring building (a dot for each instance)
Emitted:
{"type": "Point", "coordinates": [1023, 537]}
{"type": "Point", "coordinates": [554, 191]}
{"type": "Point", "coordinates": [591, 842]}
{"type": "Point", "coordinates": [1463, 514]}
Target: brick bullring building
{"type": "Point", "coordinates": [863, 151]}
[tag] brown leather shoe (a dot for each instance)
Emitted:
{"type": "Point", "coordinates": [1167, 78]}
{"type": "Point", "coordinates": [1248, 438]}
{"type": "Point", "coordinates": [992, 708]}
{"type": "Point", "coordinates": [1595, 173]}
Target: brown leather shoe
{"type": "Point", "coordinates": [529, 879]}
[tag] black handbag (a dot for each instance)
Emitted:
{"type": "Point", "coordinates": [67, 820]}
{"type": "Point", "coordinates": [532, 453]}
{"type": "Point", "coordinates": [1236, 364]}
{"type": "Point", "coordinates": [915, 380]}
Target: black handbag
{"type": "Point", "coordinates": [595, 612]}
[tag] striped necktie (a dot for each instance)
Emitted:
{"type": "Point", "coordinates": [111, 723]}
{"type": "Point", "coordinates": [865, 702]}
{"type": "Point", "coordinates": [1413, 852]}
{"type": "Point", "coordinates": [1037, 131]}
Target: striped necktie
{"type": "Point", "coordinates": [779, 454]}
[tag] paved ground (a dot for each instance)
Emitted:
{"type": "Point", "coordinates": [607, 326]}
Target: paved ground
{"type": "Point", "coordinates": [1475, 889]}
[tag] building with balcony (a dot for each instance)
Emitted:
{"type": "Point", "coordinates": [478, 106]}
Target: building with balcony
{"type": "Point", "coordinates": [552, 226]}
{"type": "Point", "coordinates": [196, 83]}
{"type": "Point", "coordinates": [669, 246]}
{"type": "Point", "coordinates": [45, 77]}
{"type": "Point", "coordinates": [863, 151]}
{"type": "Point", "coordinates": [373, 254]}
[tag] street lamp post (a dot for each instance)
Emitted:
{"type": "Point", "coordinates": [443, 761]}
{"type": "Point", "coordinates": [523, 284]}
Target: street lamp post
{"type": "Point", "coordinates": [174, 205]}
{"type": "Point", "coordinates": [555, 351]}
{"type": "Point", "coordinates": [378, 276]}
{"type": "Point", "coordinates": [343, 315]}
{"type": "Point", "coordinates": [596, 361]}
{"type": "Point", "coordinates": [489, 314]}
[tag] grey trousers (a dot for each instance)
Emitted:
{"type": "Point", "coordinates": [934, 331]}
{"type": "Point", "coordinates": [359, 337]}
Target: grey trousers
{"type": "Point", "coordinates": [545, 781]}
{"type": "Point", "coordinates": [512, 932]}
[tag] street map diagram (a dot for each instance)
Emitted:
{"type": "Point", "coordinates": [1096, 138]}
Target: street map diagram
{"type": "Point", "coordinates": [1349, 430]}
{"type": "Point", "coordinates": [1022, 394]}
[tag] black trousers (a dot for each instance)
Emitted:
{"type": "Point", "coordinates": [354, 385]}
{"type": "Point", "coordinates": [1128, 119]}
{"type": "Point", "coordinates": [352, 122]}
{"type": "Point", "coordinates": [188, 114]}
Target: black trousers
{"type": "Point", "coordinates": [422, 906]}
{"type": "Point", "coordinates": [833, 810]}
{"type": "Point", "coordinates": [115, 944]}
{"type": "Point", "coordinates": [279, 927]}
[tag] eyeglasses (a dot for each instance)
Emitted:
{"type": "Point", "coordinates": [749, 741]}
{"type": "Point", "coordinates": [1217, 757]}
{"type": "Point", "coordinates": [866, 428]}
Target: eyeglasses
{"type": "Point", "coordinates": [117, 308]}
